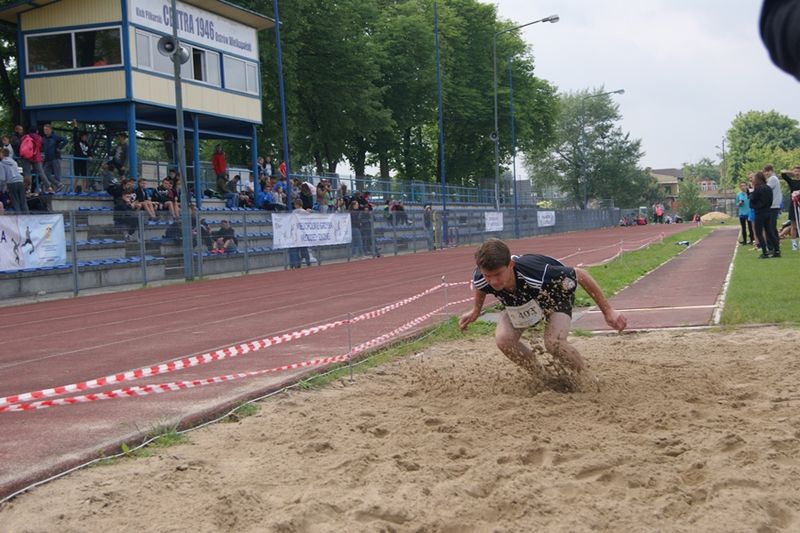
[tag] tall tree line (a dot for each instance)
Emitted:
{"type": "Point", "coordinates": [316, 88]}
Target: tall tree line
{"type": "Point", "coordinates": [361, 87]}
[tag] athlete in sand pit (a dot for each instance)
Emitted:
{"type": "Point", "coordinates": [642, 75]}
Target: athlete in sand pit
{"type": "Point", "coordinates": [533, 288]}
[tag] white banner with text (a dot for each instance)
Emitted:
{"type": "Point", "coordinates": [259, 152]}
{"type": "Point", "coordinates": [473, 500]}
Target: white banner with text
{"type": "Point", "coordinates": [494, 221]}
{"type": "Point", "coordinates": [196, 25]}
{"type": "Point", "coordinates": [299, 228]}
{"type": "Point", "coordinates": [32, 241]}
{"type": "Point", "coordinates": [546, 218]}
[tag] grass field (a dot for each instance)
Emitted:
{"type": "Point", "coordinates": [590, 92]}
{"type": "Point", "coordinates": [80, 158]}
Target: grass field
{"type": "Point", "coordinates": [763, 291]}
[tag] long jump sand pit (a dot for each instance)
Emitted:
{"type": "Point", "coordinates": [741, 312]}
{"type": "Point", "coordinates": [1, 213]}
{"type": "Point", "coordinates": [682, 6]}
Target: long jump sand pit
{"type": "Point", "coordinates": [692, 431]}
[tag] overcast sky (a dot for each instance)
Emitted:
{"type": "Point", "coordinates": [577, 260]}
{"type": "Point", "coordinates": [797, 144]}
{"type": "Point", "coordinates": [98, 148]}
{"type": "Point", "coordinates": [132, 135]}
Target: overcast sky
{"type": "Point", "coordinates": [687, 66]}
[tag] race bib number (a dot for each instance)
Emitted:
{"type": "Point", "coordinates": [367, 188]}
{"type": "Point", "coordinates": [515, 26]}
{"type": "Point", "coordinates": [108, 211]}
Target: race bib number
{"type": "Point", "coordinates": [525, 316]}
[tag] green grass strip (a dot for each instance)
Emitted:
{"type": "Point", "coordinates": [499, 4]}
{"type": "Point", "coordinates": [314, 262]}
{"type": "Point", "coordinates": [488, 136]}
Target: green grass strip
{"type": "Point", "coordinates": [763, 291]}
{"type": "Point", "coordinates": [630, 266]}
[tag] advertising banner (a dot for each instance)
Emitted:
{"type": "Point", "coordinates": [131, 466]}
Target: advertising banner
{"type": "Point", "coordinates": [196, 25]}
{"type": "Point", "coordinates": [298, 228]}
{"type": "Point", "coordinates": [494, 221]}
{"type": "Point", "coordinates": [31, 241]}
{"type": "Point", "coordinates": [546, 218]}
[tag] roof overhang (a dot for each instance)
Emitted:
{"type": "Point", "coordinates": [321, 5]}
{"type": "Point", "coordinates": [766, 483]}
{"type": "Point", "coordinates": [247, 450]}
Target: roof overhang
{"type": "Point", "coordinates": [220, 7]}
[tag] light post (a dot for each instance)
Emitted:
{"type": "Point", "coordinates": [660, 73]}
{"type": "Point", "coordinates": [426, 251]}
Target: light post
{"type": "Point", "coordinates": [722, 172]}
{"type": "Point", "coordinates": [584, 174]}
{"type": "Point", "coordinates": [445, 229]}
{"type": "Point", "coordinates": [513, 145]}
{"type": "Point", "coordinates": [496, 133]}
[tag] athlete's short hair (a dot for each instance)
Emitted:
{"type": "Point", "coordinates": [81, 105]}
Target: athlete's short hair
{"type": "Point", "coordinates": [492, 254]}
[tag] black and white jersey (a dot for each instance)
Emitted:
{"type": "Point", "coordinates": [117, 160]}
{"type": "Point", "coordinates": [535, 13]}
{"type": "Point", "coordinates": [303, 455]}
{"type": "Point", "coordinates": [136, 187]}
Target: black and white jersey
{"type": "Point", "coordinates": [539, 277]}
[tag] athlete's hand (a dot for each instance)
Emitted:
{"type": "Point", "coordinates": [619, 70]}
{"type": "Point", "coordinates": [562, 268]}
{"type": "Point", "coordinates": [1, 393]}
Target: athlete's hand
{"type": "Point", "coordinates": [467, 318]}
{"type": "Point", "coordinates": [616, 320]}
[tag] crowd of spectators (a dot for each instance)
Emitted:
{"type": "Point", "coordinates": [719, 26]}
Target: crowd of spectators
{"type": "Point", "coordinates": [760, 203]}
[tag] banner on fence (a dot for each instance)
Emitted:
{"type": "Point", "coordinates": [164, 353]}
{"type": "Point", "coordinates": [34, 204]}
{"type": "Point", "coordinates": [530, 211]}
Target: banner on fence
{"type": "Point", "coordinates": [32, 241]}
{"type": "Point", "coordinates": [298, 228]}
{"type": "Point", "coordinates": [546, 218]}
{"type": "Point", "coordinates": [494, 220]}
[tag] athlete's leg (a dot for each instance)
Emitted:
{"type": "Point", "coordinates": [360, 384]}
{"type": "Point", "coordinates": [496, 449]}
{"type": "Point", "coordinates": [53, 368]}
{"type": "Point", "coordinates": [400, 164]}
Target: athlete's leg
{"type": "Point", "coordinates": [507, 338]}
{"type": "Point", "coordinates": [555, 340]}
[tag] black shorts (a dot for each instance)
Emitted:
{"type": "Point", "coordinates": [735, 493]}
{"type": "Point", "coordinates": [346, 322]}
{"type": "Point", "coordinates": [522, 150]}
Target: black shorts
{"type": "Point", "coordinates": [558, 294]}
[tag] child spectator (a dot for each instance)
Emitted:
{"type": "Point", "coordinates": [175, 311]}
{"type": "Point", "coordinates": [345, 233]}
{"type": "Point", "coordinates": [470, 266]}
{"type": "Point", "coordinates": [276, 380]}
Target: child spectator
{"type": "Point", "coordinates": [6, 143]}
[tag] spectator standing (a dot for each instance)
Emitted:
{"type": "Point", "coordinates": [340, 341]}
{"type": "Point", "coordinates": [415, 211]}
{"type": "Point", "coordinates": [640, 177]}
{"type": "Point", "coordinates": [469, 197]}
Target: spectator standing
{"type": "Point", "coordinates": [761, 202]}
{"type": "Point", "coordinates": [52, 143]}
{"type": "Point", "coordinates": [743, 203]}
{"type": "Point", "coordinates": [792, 179]}
{"type": "Point", "coordinates": [357, 248]}
{"type": "Point", "coordinates": [16, 139]}
{"type": "Point", "coordinates": [427, 221]}
{"type": "Point", "coordinates": [219, 164]}
{"type": "Point", "coordinates": [14, 183]}
{"type": "Point", "coordinates": [299, 253]}
{"type": "Point", "coordinates": [773, 242]}
{"type": "Point", "coordinates": [120, 158]}
{"type": "Point", "coordinates": [282, 170]}
{"type": "Point", "coordinates": [82, 152]}
{"type": "Point", "coordinates": [30, 151]}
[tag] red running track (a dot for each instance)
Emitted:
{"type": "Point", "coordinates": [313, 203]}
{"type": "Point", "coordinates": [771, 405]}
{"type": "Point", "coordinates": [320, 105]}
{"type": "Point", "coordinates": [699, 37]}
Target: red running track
{"type": "Point", "coordinates": [73, 340]}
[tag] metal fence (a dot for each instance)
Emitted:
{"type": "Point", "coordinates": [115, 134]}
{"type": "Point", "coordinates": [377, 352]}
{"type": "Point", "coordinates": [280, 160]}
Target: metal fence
{"type": "Point", "coordinates": [109, 249]}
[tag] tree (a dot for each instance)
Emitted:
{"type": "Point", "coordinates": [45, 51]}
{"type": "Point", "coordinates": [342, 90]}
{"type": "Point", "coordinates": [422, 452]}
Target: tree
{"type": "Point", "coordinates": [591, 157]}
{"type": "Point", "coordinates": [689, 201]}
{"type": "Point", "coordinates": [758, 132]}
{"type": "Point", "coordinates": [705, 169]}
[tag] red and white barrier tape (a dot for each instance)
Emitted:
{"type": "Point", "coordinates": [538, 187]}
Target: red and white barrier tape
{"type": "Point", "coordinates": [208, 357]}
{"type": "Point", "coordinates": [145, 390]}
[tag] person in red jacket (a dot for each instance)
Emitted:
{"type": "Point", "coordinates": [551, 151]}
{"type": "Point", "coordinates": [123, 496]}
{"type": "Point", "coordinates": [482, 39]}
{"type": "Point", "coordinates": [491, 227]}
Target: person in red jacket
{"type": "Point", "coordinates": [218, 162]}
{"type": "Point", "coordinates": [33, 161]}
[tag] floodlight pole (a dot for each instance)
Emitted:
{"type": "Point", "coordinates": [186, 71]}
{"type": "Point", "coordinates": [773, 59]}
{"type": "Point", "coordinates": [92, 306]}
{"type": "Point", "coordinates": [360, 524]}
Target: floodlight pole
{"type": "Point", "coordinates": [186, 226]}
{"type": "Point", "coordinates": [496, 133]}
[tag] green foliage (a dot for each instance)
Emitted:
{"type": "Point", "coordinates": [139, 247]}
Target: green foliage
{"type": "Point", "coordinates": [705, 169]}
{"type": "Point", "coordinates": [690, 202]}
{"type": "Point", "coordinates": [756, 135]}
{"type": "Point", "coordinates": [592, 156]}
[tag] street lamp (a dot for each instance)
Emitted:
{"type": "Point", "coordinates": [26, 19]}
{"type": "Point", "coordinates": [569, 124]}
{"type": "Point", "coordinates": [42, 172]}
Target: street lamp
{"type": "Point", "coordinates": [496, 133]}
{"type": "Point", "coordinates": [723, 171]}
{"type": "Point", "coordinates": [585, 180]}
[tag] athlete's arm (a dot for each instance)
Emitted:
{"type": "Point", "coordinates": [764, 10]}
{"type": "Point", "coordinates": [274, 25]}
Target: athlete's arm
{"type": "Point", "coordinates": [614, 318]}
{"type": "Point", "coordinates": [471, 316]}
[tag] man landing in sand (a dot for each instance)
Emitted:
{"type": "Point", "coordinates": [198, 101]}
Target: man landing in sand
{"type": "Point", "coordinates": [533, 288]}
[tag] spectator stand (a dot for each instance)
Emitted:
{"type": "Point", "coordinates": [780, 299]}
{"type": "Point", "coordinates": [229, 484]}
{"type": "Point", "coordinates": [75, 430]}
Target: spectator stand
{"type": "Point", "coordinates": [97, 62]}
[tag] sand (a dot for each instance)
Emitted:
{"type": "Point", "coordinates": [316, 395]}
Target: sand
{"type": "Point", "coordinates": [692, 431]}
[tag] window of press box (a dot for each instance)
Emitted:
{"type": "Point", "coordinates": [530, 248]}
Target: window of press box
{"type": "Point", "coordinates": [98, 48]}
{"type": "Point", "coordinates": [49, 52]}
{"type": "Point", "coordinates": [72, 50]}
